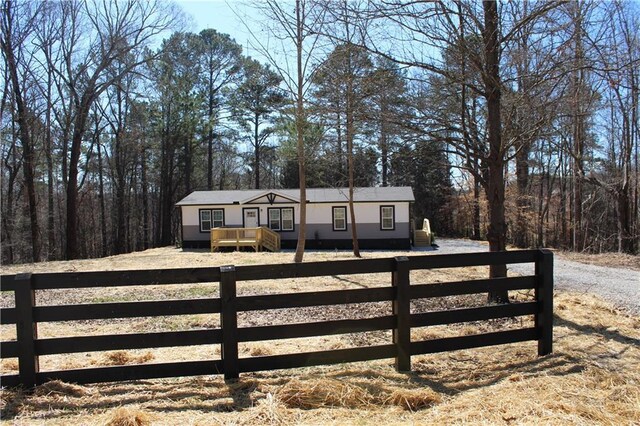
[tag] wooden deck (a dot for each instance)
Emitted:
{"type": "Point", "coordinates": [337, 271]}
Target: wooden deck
{"type": "Point", "coordinates": [256, 238]}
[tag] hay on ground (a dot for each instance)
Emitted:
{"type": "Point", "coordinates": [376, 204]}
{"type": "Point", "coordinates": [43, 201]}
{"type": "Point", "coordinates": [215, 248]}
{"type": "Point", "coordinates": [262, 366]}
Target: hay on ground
{"type": "Point", "coordinates": [124, 416]}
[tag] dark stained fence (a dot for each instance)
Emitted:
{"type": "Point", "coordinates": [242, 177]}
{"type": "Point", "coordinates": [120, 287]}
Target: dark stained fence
{"type": "Point", "coordinates": [26, 315]}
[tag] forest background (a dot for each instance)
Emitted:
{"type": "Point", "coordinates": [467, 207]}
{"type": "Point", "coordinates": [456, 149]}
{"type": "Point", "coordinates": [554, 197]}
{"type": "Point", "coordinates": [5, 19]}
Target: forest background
{"type": "Point", "coordinates": [516, 122]}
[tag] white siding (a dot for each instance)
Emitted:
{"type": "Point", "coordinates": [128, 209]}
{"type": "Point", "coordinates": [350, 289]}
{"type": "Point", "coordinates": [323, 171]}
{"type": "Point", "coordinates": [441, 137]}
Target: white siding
{"type": "Point", "coordinates": [190, 216]}
{"type": "Point", "coordinates": [316, 213]}
{"type": "Point", "coordinates": [365, 212]}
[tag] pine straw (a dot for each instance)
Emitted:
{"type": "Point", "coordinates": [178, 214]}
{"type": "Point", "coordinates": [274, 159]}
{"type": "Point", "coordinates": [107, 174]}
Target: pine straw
{"type": "Point", "coordinates": [328, 392]}
{"type": "Point", "coordinates": [129, 417]}
{"type": "Point", "coordinates": [596, 396]}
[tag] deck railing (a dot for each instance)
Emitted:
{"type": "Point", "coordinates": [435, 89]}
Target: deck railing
{"type": "Point", "coordinates": [256, 238]}
{"type": "Point", "coordinates": [269, 239]}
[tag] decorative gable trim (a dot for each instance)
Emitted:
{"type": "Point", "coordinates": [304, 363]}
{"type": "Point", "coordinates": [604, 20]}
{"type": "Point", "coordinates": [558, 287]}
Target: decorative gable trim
{"type": "Point", "coordinates": [271, 197]}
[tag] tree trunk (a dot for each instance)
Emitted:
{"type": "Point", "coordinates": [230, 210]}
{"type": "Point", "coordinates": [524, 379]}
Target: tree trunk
{"type": "Point", "coordinates": [25, 138]}
{"type": "Point", "coordinates": [72, 249]}
{"type": "Point", "coordinates": [145, 196]}
{"type": "Point", "coordinates": [222, 178]}
{"type": "Point", "coordinates": [624, 196]}
{"type": "Point", "coordinates": [210, 161]}
{"type": "Point", "coordinates": [163, 235]}
{"type": "Point", "coordinates": [475, 219]}
{"type": "Point", "coordinates": [624, 221]}
{"type": "Point", "coordinates": [476, 206]}
{"type": "Point", "coordinates": [521, 235]}
{"type": "Point", "coordinates": [352, 213]}
{"type": "Point", "coordinates": [384, 148]}
{"type": "Point", "coordinates": [339, 173]}
{"type": "Point", "coordinates": [119, 155]}
{"type": "Point", "coordinates": [256, 150]}
{"type": "Point", "coordinates": [350, 135]}
{"type": "Point", "coordinates": [72, 197]}
{"type": "Point", "coordinates": [210, 136]}
{"type": "Point", "coordinates": [496, 234]}
{"type": "Point", "coordinates": [51, 234]}
{"type": "Point", "coordinates": [103, 214]}
{"type": "Point", "coordinates": [8, 213]}
{"type": "Point", "coordinates": [188, 165]}
{"type": "Point", "coordinates": [522, 180]}
{"type": "Point", "coordinates": [121, 227]}
{"type": "Point", "coordinates": [300, 126]}
{"type": "Point", "coordinates": [578, 132]}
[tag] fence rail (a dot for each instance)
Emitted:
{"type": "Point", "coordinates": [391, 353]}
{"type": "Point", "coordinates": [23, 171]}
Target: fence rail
{"type": "Point", "coordinates": [26, 315]}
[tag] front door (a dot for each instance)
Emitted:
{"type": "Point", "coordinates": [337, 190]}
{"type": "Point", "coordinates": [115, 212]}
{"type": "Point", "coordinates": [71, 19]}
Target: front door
{"type": "Point", "coordinates": [251, 220]}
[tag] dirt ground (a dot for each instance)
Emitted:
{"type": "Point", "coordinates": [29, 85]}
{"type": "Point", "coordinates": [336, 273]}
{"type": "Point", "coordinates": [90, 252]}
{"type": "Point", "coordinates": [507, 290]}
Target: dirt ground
{"type": "Point", "coordinates": [593, 376]}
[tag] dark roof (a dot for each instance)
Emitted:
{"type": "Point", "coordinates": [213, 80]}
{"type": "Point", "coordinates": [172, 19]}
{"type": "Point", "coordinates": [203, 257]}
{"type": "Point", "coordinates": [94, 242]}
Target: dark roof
{"type": "Point", "coordinates": [317, 195]}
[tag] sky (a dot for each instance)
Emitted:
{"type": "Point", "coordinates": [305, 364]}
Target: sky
{"type": "Point", "coordinates": [219, 15]}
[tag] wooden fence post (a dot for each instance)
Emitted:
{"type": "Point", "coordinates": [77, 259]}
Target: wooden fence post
{"type": "Point", "coordinates": [26, 330]}
{"type": "Point", "coordinates": [402, 312]}
{"type": "Point", "coordinates": [544, 297]}
{"type": "Point", "coordinates": [229, 322]}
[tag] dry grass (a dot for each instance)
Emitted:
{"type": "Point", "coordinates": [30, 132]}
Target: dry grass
{"type": "Point", "coordinates": [170, 257]}
{"type": "Point", "coordinates": [59, 388]}
{"type": "Point", "coordinates": [124, 358]}
{"type": "Point", "coordinates": [592, 377]}
{"type": "Point", "coordinates": [259, 350]}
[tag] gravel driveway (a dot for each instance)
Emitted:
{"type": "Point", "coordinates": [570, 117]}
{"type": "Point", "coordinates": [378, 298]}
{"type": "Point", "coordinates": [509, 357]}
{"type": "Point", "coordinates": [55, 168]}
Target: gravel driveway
{"type": "Point", "coordinates": [620, 286]}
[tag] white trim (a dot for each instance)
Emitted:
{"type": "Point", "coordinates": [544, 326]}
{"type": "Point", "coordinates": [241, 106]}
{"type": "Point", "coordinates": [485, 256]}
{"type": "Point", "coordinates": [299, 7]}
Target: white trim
{"type": "Point", "coordinates": [390, 209]}
{"type": "Point", "coordinates": [202, 221]}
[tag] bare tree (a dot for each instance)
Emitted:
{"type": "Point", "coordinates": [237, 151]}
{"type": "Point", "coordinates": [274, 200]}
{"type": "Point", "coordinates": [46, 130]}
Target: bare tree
{"type": "Point", "coordinates": [11, 165]}
{"type": "Point", "coordinates": [296, 30]}
{"type": "Point", "coordinates": [618, 57]}
{"type": "Point", "coordinates": [434, 27]}
{"type": "Point", "coordinates": [113, 30]}
{"type": "Point", "coordinates": [17, 24]}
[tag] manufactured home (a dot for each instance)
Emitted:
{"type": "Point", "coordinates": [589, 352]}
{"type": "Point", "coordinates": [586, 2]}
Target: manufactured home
{"type": "Point", "coordinates": [382, 216]}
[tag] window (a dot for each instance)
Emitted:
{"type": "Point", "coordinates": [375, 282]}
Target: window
{"type": "Point", "coordinates": [287, 219]}
{"type": "Point", "coordinates": [339, 218]}
{"type": "Point", "coordinates": [218, 218]}
{"type": "Point", "coordinates": [205, 220]}
{"type": "Point", "coordinates": [213, 218]}
{"type": "Point", "coordinates": [387, 218]}
{"type": "Point", "coordinates": [274, 219]}
{"type": "Point", "coordinates": [281, 219]}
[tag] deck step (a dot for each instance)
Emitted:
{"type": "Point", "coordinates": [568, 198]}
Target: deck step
{"type": "Point", "coordinates": [421, 238]}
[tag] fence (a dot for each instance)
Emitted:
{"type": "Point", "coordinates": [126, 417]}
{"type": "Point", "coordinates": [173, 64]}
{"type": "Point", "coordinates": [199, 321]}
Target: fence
{"type": "Point", "coordinates": [26, 315]}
